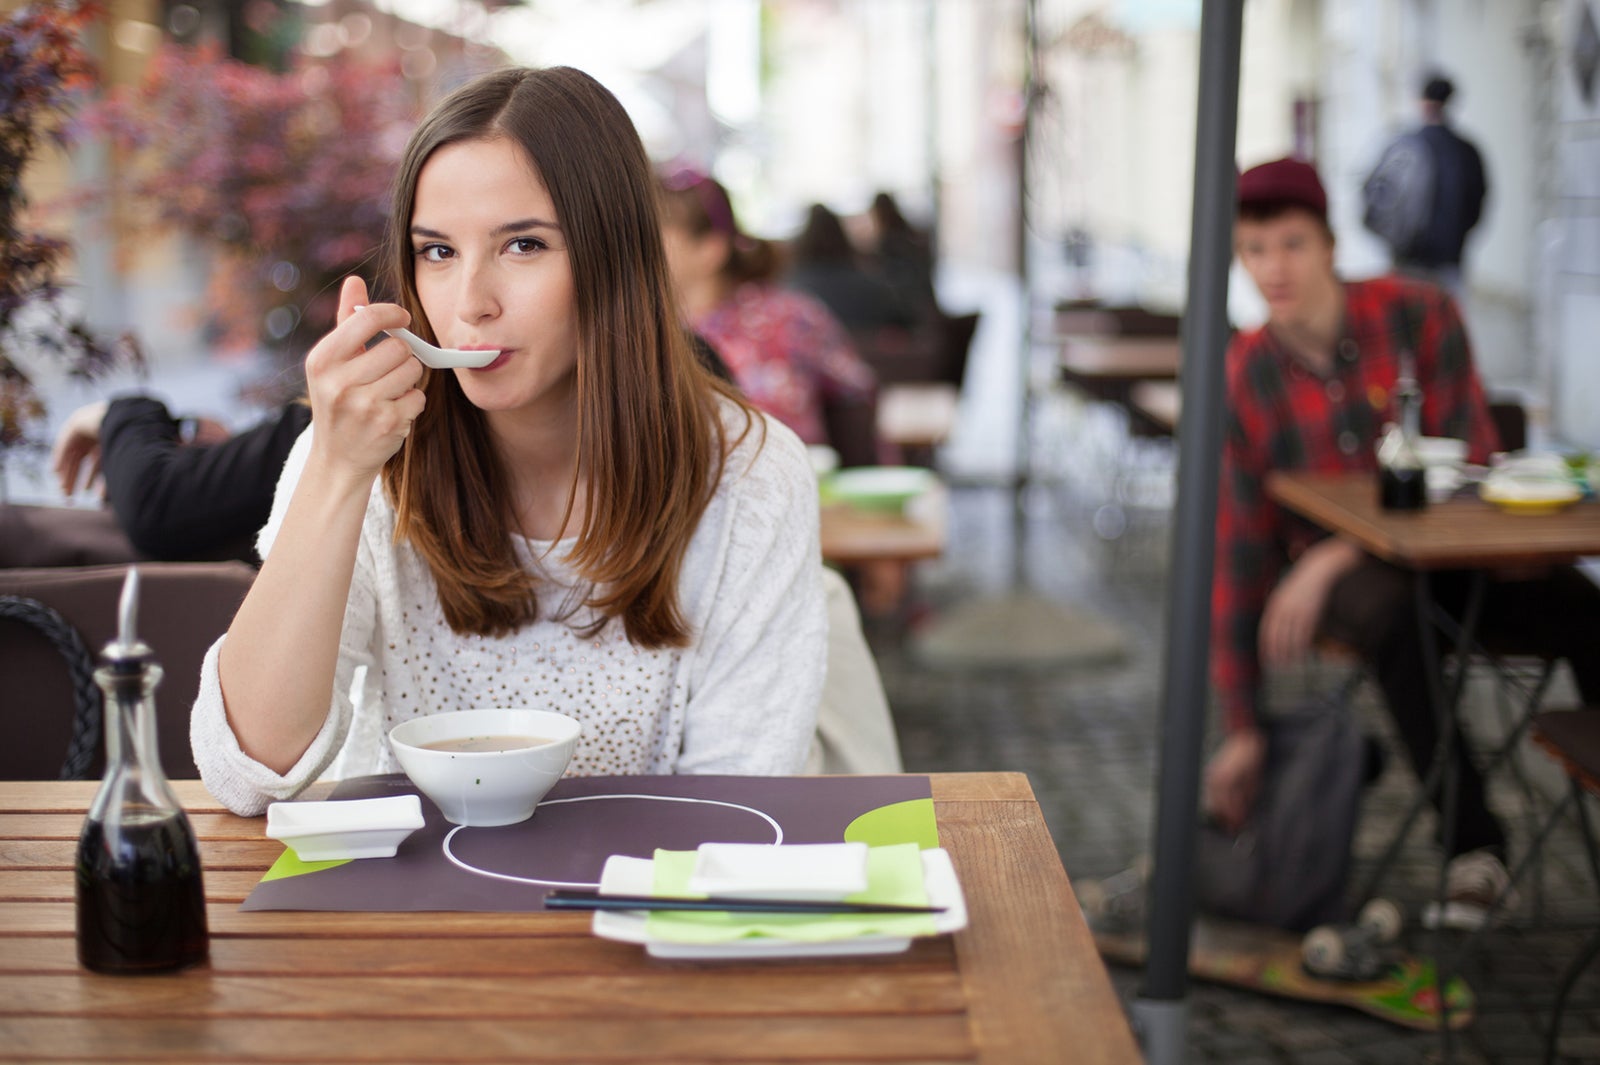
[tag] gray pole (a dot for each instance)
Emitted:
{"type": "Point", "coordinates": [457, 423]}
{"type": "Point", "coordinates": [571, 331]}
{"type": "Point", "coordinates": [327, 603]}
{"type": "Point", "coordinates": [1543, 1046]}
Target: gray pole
{"type": "Point", "coordinates": [1160, 1013]}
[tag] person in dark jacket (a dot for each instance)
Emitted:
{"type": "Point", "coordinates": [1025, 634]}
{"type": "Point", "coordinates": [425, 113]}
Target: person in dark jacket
{"type": "Point", "coordinates": [824, 264]}
{"type": "Point", "coordinates": [181, 488]}
{"type": "Point", "coordinates": [1450, 203]}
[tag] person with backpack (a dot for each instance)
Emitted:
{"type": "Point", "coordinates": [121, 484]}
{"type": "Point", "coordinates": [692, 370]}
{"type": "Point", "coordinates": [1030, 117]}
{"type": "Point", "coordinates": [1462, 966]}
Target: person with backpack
{"type": "Point", "coordinates": [1426, 194]}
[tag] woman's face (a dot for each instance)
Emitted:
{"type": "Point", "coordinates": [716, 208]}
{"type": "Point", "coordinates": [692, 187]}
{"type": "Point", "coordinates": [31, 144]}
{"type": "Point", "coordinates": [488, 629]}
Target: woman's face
{"type": "Point", "coordinates": [493, 273]}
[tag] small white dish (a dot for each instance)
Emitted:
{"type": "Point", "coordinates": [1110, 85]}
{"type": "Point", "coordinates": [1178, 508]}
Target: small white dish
{"type": "Point", "coordinates": [349, 828]}
{"type": "Point", "coordinates": [623, 875]}
{"type": "Point", "coordinates": [879, 487]}
{"type": "Point", "coordinates": [821, 872]}
{"type": "Point", "coordinates": [1441, 451]}
{"type": "Point", "coordinates": [1442, 482]}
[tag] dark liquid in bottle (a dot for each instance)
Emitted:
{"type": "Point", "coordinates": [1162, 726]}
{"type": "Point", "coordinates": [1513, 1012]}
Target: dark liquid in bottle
{"type": "Point", "coordinates": [1402, 489]}
{"type": "Point", "coordinates": [141, 905]}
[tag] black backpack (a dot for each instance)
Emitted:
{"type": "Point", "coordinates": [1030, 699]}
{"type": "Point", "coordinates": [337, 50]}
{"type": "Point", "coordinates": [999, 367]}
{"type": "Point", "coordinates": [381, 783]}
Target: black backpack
{"type": "Point", "coordinates": [1289, 865]}
{"type": "Point", "coordinates": [1397, 197]}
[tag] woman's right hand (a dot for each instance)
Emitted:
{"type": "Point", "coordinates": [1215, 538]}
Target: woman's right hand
{"type": "Point", "coordinates": [363, 400]}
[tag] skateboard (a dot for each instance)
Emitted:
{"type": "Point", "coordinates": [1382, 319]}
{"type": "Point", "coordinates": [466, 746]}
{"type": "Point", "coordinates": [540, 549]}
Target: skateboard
{"type": "Point", "coordinates": [1394, 986]}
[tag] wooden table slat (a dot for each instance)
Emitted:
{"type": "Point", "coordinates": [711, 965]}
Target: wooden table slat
{"type": "Point", "coordinates": [576, 951]}
{"type": "Point", "coordinates": [690, 993]}
{"type": "Point", "coordinates": [227, 1039]}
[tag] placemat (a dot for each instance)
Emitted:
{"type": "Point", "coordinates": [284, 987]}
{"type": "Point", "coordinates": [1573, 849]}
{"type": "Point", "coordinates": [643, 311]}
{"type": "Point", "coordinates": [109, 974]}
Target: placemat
{"type": "Point", "coordinates": [582, 822]}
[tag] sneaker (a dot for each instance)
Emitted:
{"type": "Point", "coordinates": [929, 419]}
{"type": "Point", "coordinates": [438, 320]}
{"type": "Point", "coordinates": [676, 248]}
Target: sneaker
{"type": "Point", "coordinates": [1473, 883]}
{"type": "Point", "coordinates": [1116, 905]}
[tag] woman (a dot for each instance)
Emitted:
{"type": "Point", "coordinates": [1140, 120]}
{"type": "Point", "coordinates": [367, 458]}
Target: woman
{"type": "Point", "coordinates": [786, 350]}
{"type": "Point", "coordinates": [591, 524]}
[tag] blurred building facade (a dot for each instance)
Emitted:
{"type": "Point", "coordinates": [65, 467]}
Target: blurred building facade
{"type": "Point", "coordinates": [1333, 81]}
{"type": "Point", "coordinates": [791, 101]}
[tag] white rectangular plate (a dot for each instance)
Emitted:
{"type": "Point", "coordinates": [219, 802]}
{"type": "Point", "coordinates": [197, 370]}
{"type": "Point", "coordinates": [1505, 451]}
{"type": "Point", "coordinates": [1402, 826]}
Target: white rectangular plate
{"type": "Point", "coordinates": [633, 876]}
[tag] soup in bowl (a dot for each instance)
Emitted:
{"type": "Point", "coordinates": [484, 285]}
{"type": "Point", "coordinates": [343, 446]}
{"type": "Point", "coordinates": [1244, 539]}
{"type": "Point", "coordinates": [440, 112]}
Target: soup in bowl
{"type": "Point", "coordinates": [486, 767]}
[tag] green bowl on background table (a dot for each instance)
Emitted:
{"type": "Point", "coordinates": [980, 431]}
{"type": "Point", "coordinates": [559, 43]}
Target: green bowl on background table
{"type": "Point", "coordinates": [877, 487]}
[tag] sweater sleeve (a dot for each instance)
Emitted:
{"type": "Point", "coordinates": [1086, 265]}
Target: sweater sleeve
{"type": "Point", "coordinates": [238, 781]}
{"type": "Point", "coordinates": [761, 657]}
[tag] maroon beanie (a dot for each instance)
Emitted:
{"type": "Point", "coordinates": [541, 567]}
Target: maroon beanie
{"type": "Point", "coordinates": [1284, 181]}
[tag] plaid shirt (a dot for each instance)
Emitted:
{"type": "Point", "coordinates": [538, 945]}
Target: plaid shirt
{"type": "Point", "coordinates": [1282, 415]}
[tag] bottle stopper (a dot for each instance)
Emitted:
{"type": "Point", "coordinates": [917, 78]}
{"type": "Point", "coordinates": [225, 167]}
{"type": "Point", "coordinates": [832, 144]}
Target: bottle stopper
{"type": "Point", "coordinates": [127, 653]}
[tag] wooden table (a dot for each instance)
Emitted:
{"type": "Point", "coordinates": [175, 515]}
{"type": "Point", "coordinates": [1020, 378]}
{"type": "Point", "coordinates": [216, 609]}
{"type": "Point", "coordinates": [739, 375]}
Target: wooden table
{"type": "Point", "coordinates": [1107, 367]}
{"type": "Point", "coordinates": [1460, 533]}
{"type": "Point", "coordinates": [1158, 402]}
{"type": "Point", "coordinates": [853, 535]}
{"type": "Point", "coordinates": [1463, 532]}
{"type": "Point", "coordinates": [1022, 983]}
{"type": "Point", "coordinates": [917, 416]}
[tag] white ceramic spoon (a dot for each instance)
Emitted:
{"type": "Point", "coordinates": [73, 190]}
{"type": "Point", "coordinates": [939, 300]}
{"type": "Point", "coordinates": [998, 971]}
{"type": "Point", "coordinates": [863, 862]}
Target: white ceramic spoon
{"type": "Point", "coordinates": [441, 358]}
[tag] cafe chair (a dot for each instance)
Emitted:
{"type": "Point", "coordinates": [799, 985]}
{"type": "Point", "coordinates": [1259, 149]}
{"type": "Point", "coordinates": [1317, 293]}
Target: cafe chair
{"type": "Point", "coordinates": [1572, 739]}
{"type": "Point", "coordinates": [41, 735]}
{"type": "Point", "coordinates": [32, 536]}
{"type": "Point", "coordinates": [183, 608]}
{"type": "Point", "coordinates": [855, 732]}
{"type": "Point", "coordinates": [852, 427]}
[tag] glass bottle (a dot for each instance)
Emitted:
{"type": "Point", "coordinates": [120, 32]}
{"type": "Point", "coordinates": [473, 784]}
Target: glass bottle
{"type": "Point", "coordinates": [140, 898]}
{"type": "Point", "coordinates": [1402, 478]}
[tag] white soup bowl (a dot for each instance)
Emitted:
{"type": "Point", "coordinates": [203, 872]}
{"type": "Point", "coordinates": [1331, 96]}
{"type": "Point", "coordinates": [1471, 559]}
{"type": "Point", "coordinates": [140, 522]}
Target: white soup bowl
{"type": "Point", "coordinates": [483, 788]}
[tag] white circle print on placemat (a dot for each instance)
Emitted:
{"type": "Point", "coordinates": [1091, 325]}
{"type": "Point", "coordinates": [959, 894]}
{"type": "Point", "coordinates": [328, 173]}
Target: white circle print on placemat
{"type": "Point", "coordinates": [777, 831]}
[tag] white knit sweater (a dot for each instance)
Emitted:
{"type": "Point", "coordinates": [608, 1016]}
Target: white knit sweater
{"type": "Point", "coordinates": [742, 698]}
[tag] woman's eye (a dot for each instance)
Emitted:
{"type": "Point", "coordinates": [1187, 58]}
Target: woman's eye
{"type": "Point", "coordinates": [434, 253]}
{"type": "Point", "coordinates": [526, 245]}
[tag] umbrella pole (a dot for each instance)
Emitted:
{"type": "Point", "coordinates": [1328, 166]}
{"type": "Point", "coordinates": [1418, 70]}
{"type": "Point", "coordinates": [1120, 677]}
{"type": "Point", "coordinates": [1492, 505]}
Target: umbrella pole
{"type": "Point", "coordinates": [1160, 1012]}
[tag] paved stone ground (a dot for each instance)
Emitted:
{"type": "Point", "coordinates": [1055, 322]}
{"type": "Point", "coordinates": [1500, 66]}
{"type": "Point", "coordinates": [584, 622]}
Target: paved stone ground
{"type": "Point", "coordinates": [1087, 740]}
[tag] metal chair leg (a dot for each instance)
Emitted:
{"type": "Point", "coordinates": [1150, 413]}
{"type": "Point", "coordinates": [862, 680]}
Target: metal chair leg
{"type": "Point", "coordinates": [1569, 979]}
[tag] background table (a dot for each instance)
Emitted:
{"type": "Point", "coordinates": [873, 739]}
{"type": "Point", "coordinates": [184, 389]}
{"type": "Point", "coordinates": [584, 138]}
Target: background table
{"type": "Point", "coordinates": [1460, 533]}
{"type": "Point", "coordinates": [852, 535]}
{"type": "Point", "coordinates": [1021, 984]}
{"type": "Point", "coordinates": [1107, 367]}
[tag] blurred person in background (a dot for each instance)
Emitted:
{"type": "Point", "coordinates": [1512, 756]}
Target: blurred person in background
{"type": "Point", "coordinates": [1426, 194]}
{"type": "Point", "coordinates": [182, 489]}
{"type": "Point", "coordinates": [904, 256]}
{"type": "Point", "coordinates": [822, 262]}
{"type": "Point", "coordinates": [787, 351]}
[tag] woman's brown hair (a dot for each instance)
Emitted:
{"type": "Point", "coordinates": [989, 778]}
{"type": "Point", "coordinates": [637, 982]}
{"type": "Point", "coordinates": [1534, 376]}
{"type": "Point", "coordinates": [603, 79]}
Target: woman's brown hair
{"type": "Point", "coordinates": [651, 439]}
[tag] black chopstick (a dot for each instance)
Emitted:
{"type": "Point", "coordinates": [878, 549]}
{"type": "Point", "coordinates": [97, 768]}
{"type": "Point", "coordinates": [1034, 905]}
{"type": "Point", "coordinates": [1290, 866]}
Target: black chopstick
{"type": "Point", "coordinates": [593, 900]}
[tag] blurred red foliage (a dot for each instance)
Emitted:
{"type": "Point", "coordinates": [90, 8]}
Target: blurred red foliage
{"type": "Point", "coordinates": [286, 175]}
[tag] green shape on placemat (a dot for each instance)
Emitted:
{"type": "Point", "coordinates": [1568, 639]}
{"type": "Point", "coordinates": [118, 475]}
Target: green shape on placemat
{"type": "Point", "coordinates": [911, 821]}
{"type": "Point", "coordinates": [289, 864]}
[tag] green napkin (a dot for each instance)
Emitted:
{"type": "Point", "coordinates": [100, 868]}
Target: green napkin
{"type": "Point", "coordinates": [894, 875]}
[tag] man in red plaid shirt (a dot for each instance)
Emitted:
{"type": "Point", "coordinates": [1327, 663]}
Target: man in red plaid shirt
{"type": "Point", "coordinates": [1311, 390]}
